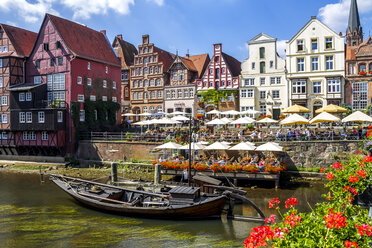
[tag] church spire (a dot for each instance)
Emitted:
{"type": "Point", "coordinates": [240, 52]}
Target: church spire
{"type": "Point", "coordinates": [354, 33]}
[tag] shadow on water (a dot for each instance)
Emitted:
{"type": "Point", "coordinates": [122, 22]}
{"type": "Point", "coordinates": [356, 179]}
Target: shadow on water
{"type": "Point", "coordinates": [41, 215]}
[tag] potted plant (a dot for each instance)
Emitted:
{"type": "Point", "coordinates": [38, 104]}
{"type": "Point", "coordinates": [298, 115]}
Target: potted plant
{"type": "Point", "coordinates": [363, 73]}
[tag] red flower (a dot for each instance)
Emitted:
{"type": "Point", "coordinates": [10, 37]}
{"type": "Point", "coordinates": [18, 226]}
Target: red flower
{"type": "Point", "coordinates": [351, 189]}
{"type": "Point", "coordinates": [364, 228]}
{"type": "Point", "coordinates": [292, 220]}
{"type": "Point", "coordinates": [335, 220]}
{"type": "Point", "coordinates": [353, 179]}
{"type": "Point", "coordinates": [291, 202]}
{"type": "Point", "coordinates": [367, 159]}
{"type": "Point", "coordinates": [336, 166]}
{"type": "Point", "coordinates": [259, 237]}
{"type": "Point", "coordinates": [330, 176]}
{"type": "Point", "coordinates": [359, 152]}
{"type": "Point", "coordinates": [349, 244]}
{"type": "Point", "coordinates": [271, 219]}
{"type": "Point", "coordinates": [274, 202]}
{"type": "Point", "coordinates": [361, 173]}
{"type": "Point", "coordinates": [322, 170]}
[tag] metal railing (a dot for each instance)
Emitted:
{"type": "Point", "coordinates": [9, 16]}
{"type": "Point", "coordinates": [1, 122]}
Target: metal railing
{"type": "Point", "coordinates": [125, 136]}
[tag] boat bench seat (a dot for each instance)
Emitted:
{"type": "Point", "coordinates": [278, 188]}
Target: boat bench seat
{"type": "Point", "coordinates": [153, 203]}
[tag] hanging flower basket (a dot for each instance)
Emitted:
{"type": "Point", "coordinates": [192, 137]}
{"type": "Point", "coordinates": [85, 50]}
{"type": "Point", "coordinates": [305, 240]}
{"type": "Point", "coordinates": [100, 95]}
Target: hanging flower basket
{"type": "Point", "coordinates": [363, 73]}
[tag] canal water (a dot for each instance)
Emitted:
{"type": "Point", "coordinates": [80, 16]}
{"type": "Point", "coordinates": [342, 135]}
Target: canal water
{"type": "Point", "coordinates": [35, 214]}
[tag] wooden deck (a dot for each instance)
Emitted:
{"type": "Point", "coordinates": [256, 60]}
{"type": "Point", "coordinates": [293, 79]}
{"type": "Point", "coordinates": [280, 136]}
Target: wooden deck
{"type": "Point", "coordinates": [261, 176]}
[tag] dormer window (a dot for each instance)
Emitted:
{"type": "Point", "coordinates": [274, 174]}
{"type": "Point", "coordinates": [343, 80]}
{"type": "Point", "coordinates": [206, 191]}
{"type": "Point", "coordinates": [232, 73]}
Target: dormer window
{"type": "Point", "coordinates": [58, 45]}
{"type": "Point", "coordinates": [106, 70]}
{"type": "Point", "coordinates": [300, 45]}
{"type": "Point", "coordinates": [37, 64]}
{"type": "Point", "coordinates": [329, 43]}
{"type": "Point", "coordinates": [88, 65]}
{"type": "Point", "coordinates": [46, 46]}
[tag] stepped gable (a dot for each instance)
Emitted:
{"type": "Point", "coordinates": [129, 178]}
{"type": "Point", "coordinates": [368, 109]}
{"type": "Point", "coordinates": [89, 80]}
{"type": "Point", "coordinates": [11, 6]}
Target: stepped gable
{"type": "Point", "coordinates": [85, 42]}
{"type": "Point", "coordinates": [22, 40]}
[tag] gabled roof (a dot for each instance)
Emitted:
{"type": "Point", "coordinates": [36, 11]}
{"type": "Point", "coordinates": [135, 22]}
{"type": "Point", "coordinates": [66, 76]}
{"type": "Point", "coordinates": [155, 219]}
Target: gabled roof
{"type": "Point", "coordinates": [313, 19]}
{"type": "Point", "coordinates": [84, 42]}
{"type": "Point", "coordinates": [21, 39]}
{"type": "Point", "coordinates": [200, 62]}
{"type": "Point", "coordinates": [129, 50]}
{"type": "Point", "coordinates": [233, 64]}
{"type": "Point", "coordinates": [165, 57]}
{"type": "Point", "coordinates": [365, 49]}
{"type": "Point", "coordinates": [354, 20]}
{"type": "Point", "coordinates": [255, 40]}
{"type": "Point", "coordinates": [188, 63]}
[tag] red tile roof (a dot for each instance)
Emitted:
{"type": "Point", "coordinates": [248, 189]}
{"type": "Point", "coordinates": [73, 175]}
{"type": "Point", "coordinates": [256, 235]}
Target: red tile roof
{"type": "Point", "coordinates": [165, 57]}
{"type": "Point", "coordinates": [129, 50]}
{"type": "Point", "coordinates": [85, 42]}
{"type": "Point", "coordinates": [200, 62]}
{"type": "Point", "coordinates": [188, 63]}
{"type": "Point", "coordinates": [233, 64]}
{"type": "Point", "coordinates": [365, 49]}
{"type": "Point", "coordinates": [22, 40]}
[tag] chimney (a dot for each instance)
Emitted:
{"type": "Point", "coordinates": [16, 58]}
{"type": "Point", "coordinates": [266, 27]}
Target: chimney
{"type": "Point", "coordinates": [119, 36]}
{"type": "Point", "coordinates": [188, 53]}
{"type": "Point", "coordinates": [103, 32]}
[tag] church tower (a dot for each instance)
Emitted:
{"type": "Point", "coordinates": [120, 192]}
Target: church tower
{"type": "Point", "coordinates": [354, 32]}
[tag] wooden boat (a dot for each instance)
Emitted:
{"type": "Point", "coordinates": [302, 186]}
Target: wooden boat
{"type": "Point", "coordinates": [178, 203]}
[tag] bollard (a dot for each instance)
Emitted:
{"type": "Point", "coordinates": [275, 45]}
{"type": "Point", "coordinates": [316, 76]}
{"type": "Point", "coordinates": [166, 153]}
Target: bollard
{"type": "Point", "coordinates": [157, 174]}
{"type": "Point", "coordinates": [114, 172]}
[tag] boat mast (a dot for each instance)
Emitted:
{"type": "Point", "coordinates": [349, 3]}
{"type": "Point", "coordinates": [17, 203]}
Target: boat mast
{"type": "Point", "coordinates": [190, 159]}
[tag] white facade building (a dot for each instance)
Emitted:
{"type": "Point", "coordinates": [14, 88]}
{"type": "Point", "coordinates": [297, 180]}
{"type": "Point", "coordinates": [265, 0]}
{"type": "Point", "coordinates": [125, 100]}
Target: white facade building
{"type": "Point", "coordinates": [316, 66]}
{"type": "Point", "coordinates": [263, 85]}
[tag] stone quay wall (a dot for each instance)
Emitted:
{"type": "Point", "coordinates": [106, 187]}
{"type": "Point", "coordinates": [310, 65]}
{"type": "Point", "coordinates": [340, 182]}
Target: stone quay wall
{"type": "Point", "coordinates": [301, 154]}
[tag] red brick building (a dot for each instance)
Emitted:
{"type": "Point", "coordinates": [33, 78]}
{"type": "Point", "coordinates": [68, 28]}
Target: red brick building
{"type": "Point", "coordinates": [81, 75]}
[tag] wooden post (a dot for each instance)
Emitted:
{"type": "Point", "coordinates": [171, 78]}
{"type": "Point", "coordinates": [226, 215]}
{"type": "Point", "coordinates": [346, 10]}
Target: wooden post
{"type": "Point", "coordinates": [114, 172]}
{"type": "Point", "coordinates": [190, 154]}
{"type": "Point", "coordinates": [157, 174]}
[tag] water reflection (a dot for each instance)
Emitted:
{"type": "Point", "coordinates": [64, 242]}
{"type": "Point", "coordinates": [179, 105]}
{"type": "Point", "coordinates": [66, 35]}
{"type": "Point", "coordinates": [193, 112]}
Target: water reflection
{"type": "Point", "coordinates": [35, 215]}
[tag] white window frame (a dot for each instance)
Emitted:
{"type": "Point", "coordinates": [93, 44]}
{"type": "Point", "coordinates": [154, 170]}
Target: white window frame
{"type": "Point", "coordinates": [1, 82]}
{"type": "Point", "coordinates": [44, 136]}
{"type": "Point", "coordinates": [329, 62]}
{"type": "Point", "coordinates": [317, 85]}
{"type": "Point", "coordinates": [28, 96]}
{"type": "Point", "coordinates": [88, 65]}
{"type": "Point", "coordinates": [104, 98]}
{"type": "Point", "coordinates": [298, 86]}
{"type": "Point", "coordinates": [28, 117]}
{"type": "Point", "coordinates": [82, 115]}
{"type": "Point", "coordinates": [92, 98]}
{"type": "Point", "coordinates": [41, 117]}
{"type": "Point", "coordinates": [334, 85]}
{"type": "Point", "coordinates": [314, 63]}
{"type": "Point", "coordinates": [80, 98]}
{"type": "Point", "coordinates": [4, 100]}
{"type": "Point", "coordinates": [22, 117]}
{"type": "Point", "coordinates": [300, 64]}
{"type": "Point", "coordinates": [275, 94]}
{"type": "Point", "coordinates": [104, 84]}
{"type": "Point", "coordinates": [60, 116]}
{"type": "Point", "coordinates": [79, 80]}
{"type": "Point", "coordinates": [114, 99]}
{"type": "Point", "coordinates": [37, 80]}
{"type": "Point", "coordinates": [89, 81]}
{"type": "Point", "coordinates": [114, 85]}
{"type": "Point", "coordinates": [4, 118]}
{"type": "Point", "coordinates": [21, 97]}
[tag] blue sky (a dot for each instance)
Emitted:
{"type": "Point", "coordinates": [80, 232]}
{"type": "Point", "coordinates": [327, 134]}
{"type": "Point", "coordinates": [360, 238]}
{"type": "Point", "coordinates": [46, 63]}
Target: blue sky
{"type": "Point", "coordinates": [190, 24]}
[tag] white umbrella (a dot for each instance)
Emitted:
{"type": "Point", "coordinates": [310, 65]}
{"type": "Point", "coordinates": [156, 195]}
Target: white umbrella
{"type": "Point", "coordinates": [249, 143]}
{"type": "Point", "coordinates": [226, 120]}
{"type": "Point", "coordinates": [203, 142]}
{"type": "Point", "coordinates": [243, 147]}
{"type": "Point", "coordinates": [217, 146]}
{"type": "Point", "coordinates": [250, 119]}
{"type": "Point", "coordinates": [143, 123]}
{"type": "Point", "coordinates": [145, 114]}
{"type": "Point", "coordinates": [180, 118]}
{"type": "Point", "coordinates": [294, 119]}
{"type": "Point", "coordinates": [216, 122]}
{"type": "Point", "coordinates": [324, 117]}
{"type": "Point", "coordinates": [194, 146]}
{"type": "Point", "coordinates": [169, 145]}
{"type": "Point", "coordinates": [250, 112]}
{"type": "Point", "coordinates": [230, 112]}
{"type": "Point", "coordinates": [267, 120]}
{"type": "Point", "coordinates": [357, 116]}
{"type": "Point", "coordinates": [242, 121]}
{"type": "Point", "coordinates": [213, 112]}
{"type": "Point", "coordinates": [165, 121]}
{"type": "Point", "coordinates": [177, 113]}
{"type": "Point", "coordinates": [226, 143]}
{"type": "Point", "coordinates": [128, 114]}
{"type": "Point", "coordinates": [270, 146]}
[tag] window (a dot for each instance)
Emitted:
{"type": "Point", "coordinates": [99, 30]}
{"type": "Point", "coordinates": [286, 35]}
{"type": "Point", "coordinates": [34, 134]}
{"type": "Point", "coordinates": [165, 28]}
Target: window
{"type": "Point", "coordinates": [139, 95]}
{"type": "Point", "coordinates": [134, 95]}
{"type": "Point", "coordinates": [175, 76]}
{"type": "Point", "coordinates": [160, 109]}
{"type": "Point", "coordinates": [360, 95]}
{"type": "Point", "coordinates": [114, 85]}
{"type": "Point", "coordinates": [152, 94]}
{"type": "Point", "coordinates": [262, 52]}
{"type": "Point", "coordinates": [314, 44]}
{"type": "Point", "coordinates": [28, 96]}
{"type": "Point", "coordinates": [250, 93]}
{"type": "Point", "coordinates": [243, 93]}
{"type": "Point", "coordinates": [4, 100]}
{"type": "Point", "coordinates": [145, 95]}
{"type": "Point", "coordinates": [145, 71]}
{"type": "Point", "coordinates": [222, 83]}
{"type": "Point", "coordinates": [114, 99]}
{"type": "Point", "coordinates": [156, 68]}
{"type": "Point", "coordinates": [80, 98]}
{"type": "Point", "coordinates": [249, 82]}
{"type": "Point", "coordinates": [362, 67]}
{"type": "Point", "coordinates": [52, 61]}
{"type": "Point", "coordinates": [46, 46]}
{"type": "Point", "coordinates": [37, 64]}
{"type": "Point", "coordinates": [104, 84]}
{"type": "Point", "coordinates": [217, 59]}
{"type": "Point", "coordinates": [37, 79]}
{"type": "Point", "coordinates": [211, 71]}
{"type": "Point", "coordinates": [167, 94]}
{"type": "Point", "coordinates": [300, 46]}
{"type": "Point", "coordinates": [223, 70]}
{"type": "Point", "coordinates": [351, 69]}
{"type": "Point", "coordinates": [89, 81]}
{"type": "Point", "coordinates": [21, 97]}
{"type": "Point", "coordinates": [329, 62]}
{"type": "Point", "coordinates": [41, 117]}
{"type": "Point", "coordinates": [1, 63]}
{"type": "Point", "coordinates": [230, 97]}
{"type": "Point", "coordinates": [106, 69]}
{"type": "Point", "coordinates": [152, 109]}
{"type": "Point", "coordinates": [22, 117]}
{"type": "Point", "coordinates": [82, 115]}
{"type": "Point", "coordinates": [263, 109]}
{"type": "Point", "coordinates": [182, 75]}
{"type": "Point", "coordinates": [1, 82]}
{"type": "Point", "coordinates": [151, 69]}
{"type": "Point", "coordinates": [44, 135]}
{"type": "Point", "coordinates": [152, 82]}
{"type": "Point", "coordinates": [314, 63]}
{"type": "Point", "coordinates": [186, 93]}
{"type": "Point", "coordinates": [173, 94]}
{"type": "Point", "coordinates": [271, 64]}
{"type": "Point", "coordinates": [79, 80]}
{"type": "Point", "coordinates": [262, 67]}
{"type": "Point", "coordinates": [217, 74]}
{"type": "Point", "coordinates": [275, 94]}
{"type": "Point", "coordinates": [95, 114]}
{"type": "Point", "coordinates": [144, 109]}
{"type": "Point", "coordinates": [56, 81]}
{"type": "Point", "coordinates": [29, 135]}
{"type": "Point", "coordinates": [126, 92]}
{"type": "Point", "coordinates": [317, 87]}
{"type": "Point", "coordinates": [262, 95]}
{"type": "Point", "coordinates": [60, 60]}
{"type": "Point", "coordinates": [275, 80]}
{"type": "Point", "coordinates": [210, 84]}
{"type": "Point", "coordinates": [262, 81]}
{"type": "Point", "coordinates": [88, 65]}
{"type": "Point", "coordinates": [93, 98]}
{"type": "Point", "coordinates": [253, 65]}
{"type": "Point", "coordinates": [4, 118]}
{"type": "Point", "coordinates": [299, 87]}
{"type": "Point", "coordinates": [300, 64]}
{"type": "Point", "coordinates": [329, 43]}
{"type": "Point", "coordinates": [191, 93]}
{"type": "Point", "coordinates": [160, 94]}
{"type": "Point", "coordinates": [29, 117]}
{"type": "Point", "coordinates": [179, 93]}
{"type": "Point", "coordinates": [333, 85]}
{"type": "Point", "coordinates": [4, 135]}
{"type": "Point", "coordinates": [104, 98]}
{"type": "Point", "coordinates": [158, 82]}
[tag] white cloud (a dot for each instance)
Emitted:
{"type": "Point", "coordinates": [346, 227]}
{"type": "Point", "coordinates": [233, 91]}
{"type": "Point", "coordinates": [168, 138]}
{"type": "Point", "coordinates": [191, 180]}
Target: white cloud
{"type": "Point", "coordinates": [158, 2]}
{"type": "Point", "coordinates": [336, 15]}
{"type": "Point", "coordinates": [281, 46]}
{"type": "Point", "coordinates": [31, 12]}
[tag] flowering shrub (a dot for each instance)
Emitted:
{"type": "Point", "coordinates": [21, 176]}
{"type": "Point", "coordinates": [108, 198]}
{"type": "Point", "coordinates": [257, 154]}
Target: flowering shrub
{"type": "Point", "coordinates": [334, 223]}
{"type": "Point", "coordinates": [250, 168]}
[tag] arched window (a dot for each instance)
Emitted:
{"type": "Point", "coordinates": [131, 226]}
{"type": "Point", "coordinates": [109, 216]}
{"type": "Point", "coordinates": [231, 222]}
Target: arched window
{"type": "Point", "coordinates": [262, 52]}
{"type": "Point", "coordinates": [152, 82]}
{"type": "Point", "coordinates": [158, 82]}
{"type": "Point", "coordinates": [362, 67]}
{"type": "Point", "coordinates": [140, 84]}
{"type": "Point", "coordinates": [146, 83]}
{"type": "Point", "coordinates": [145, 71]}
{"type": "Point", "coordinates": [262, 67]}
{"type": "Point", "coordinates": [145, 95]}
{"type": "Point", "coordinates": [152, 109]}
